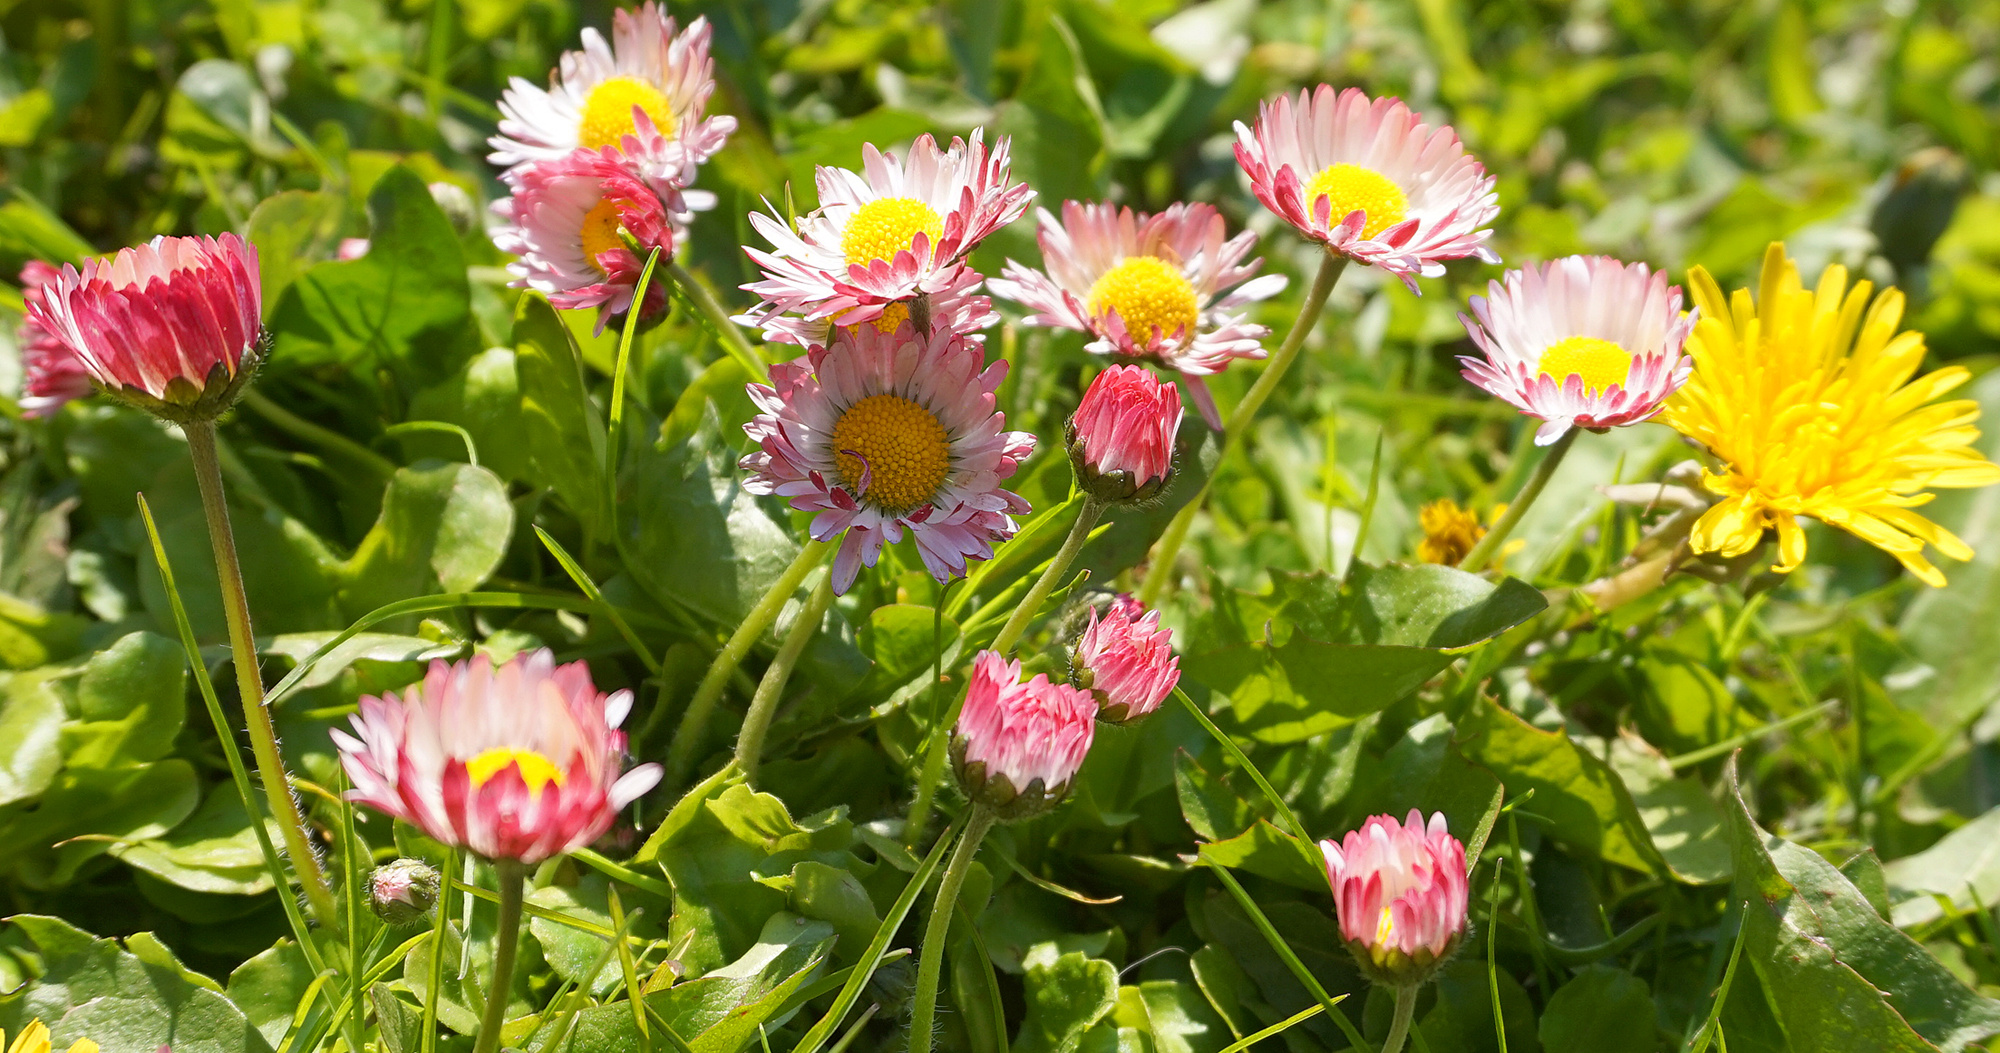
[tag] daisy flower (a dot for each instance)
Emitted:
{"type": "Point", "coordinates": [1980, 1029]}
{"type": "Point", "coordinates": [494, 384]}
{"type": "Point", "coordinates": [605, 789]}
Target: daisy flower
{"type": "Point", "coordinates": [1811, 401]}
{"type": "Point", "coordinates": [564, 220]}
{"type": "Point", "coordinates": [1019, 744]}
{"type": "Point", "coordinates": [894, 230]}
{"type": "Point", "coordinates": [1584, 341]}
{"type": "Point", "coordinates": [955, 308]}
{"type": "Point", "coordinates": [51, 374]}
{"type": "Point", "coordinates": [1169, 287]}
{"type": "Point", "coordinates": [883, 434]}
{"type": "Point", "coordinates": [1401, 895]}
{"type": "Point", "coordinates": [648, 85]}
{"type": "Point", "coordinates": [1370, 180]}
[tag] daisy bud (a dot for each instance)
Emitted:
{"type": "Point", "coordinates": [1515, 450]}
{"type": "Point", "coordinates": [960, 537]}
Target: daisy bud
{"type": "Point", "coordinates": [402, 892]}
{"type": "Point", "coordinates": [1126, 661]}
{"type": "Point", "coordinates": [1018, 745]}
{"type": "Point", "coordinates": [1400, 891]}
{"type": "Point", "coordinates": [1121, 440]}
{"type": "Point", "coordinates": [173, 326]}
{"type": "Point", "coordinates": [51, 374]}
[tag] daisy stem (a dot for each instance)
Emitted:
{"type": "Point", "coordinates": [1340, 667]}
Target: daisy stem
{"type": "Point", "coordinates": [1240, 419]}
{"type": "Point", "coordinates": [733, 340]}
{"type": "Point", "coordinates": [510, 875]}
{"type": "Point", "coordinates": [694, 722]}
{"type": "Point", "coordinates": [1497, 536]}
{"type": "Point", "coordinates": [1086, 519]}
{"type": "Point", "coordinates": [924, 1008]}
{"type": "Point", "coordinates": [249, 680]}
{"type": "Point", "coordinates": [1399, 1028]}
{"type": "Point", "coordinates": [764, 704]}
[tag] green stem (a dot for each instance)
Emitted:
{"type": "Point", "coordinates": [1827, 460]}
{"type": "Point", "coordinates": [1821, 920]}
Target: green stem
{"type": "Point", "coordinates": [506, 938]}
{"type": "Point", "coordinates": [326, 438]}
{"type": "Point", "coordinates": [924, 1008]}
{"type": "Point", "coordinates": [694, 723]}
{"type": "Point", "coordinates": [1497, 536]}
{"type": "Point", "coordinates": [1086, 519]}
{"type": "Point", "coordinates": [764, 704]}
{"type": "Point", "coordinates": [726, 329]}
{"type": "Point", "coordinates": [1239, 422]}
{"type": "Point", "coordinates": [920, 809]}
{"type": "Point", "coordinates": [1399, 1028]}
{"type": "Point", "coordinates": [249, 680]}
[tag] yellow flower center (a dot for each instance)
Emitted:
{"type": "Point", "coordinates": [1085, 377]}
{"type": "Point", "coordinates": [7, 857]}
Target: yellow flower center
{"type": "Point", "coordinates": [1449, 532]}
{"type": "Point", "coordinates": [600, 232]}
{"type": "Point", "coordinates": [886, 226]}
{"type": "Point", "coordinates": [892, 316]}
{"type": "Point", "coordinates": [536, 770]}
{"type": "Point", "coordinates": [1383, 927]}
{"type": "Point", "coordinates": [1349, 187]}
{"type": "Point", "coordinates": [1600, 363]}
{"type": "Point", "coordinates": [897, 447]}
{"type": "Point", "coordinates": [607, 113]}
{"type": "Point", "coordinates": [1147, 292]}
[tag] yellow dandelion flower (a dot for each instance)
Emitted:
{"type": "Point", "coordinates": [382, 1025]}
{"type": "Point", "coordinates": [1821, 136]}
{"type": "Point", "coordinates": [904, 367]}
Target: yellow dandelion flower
{"type": "Point", "coordinates": [35, 1039]}
{"type": "Point", "coordinates": [1449, 532]}
{"type": "Point", "coordinates": [1807, 398]}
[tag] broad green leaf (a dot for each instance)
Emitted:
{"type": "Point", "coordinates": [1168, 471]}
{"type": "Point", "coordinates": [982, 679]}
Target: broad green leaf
{"type": "Point", "coordinates": [31, 723]}
{"type": "Point", "coordinates": [1066, 998]}
{"type": "Point", "coordinates": [361, 647]}
{"type": "Point", "coordinates": [214, 850]}
{"type": "Point", "coordinates": [443, 528]}
{"type": "Point", "coordinates": [571, 951]}
{"type": "Point", "coordinates": [399, 1023]}
{"type": "Point", "coordinates": [484, 398]}
{"type": "Point", "coordinates": [291, 230]}
{"type": "Point", "coordinates": [835, 896]}
{"type": "Point", "coordinates": [269, 987]}
{"type": "Point", "coordinates": [1268, 852]}
{"type": "Point", "coordinates": [131, 701]}
{"type": "Point", "coordinates": [1603, 1009]}
{"type": "Point", "coordinates": [103, 807]}
{"type": "Point", "coordinates": [1964, 867]}
{"type": "Point", "coordinates": [1171, 1014]}
{"type": "Point", "coordinates": [1211, 808]}
{"type": "Point", "coordinates": [563, 430]}
{"type": "Point", "coordinates": [1427, 772]}
{"type": "Point", "coordinates": [1680, 815]}
{"type": "Point", "coordinates": [1462, 1017]}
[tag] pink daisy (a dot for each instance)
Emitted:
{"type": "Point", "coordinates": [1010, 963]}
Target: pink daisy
{"type": "Point", "coordinates": [564, 221]}
{"type": "Point", "coordinates": [954, 307]}
{"type": "Point", "coordinates": [52, 374]}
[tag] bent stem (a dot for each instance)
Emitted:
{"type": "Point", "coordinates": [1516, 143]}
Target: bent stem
{"type": "Point", "coordinates": [1490, 544]}
{"type": "Point", "coordinates": [764, 704]}
{"type": "Point", "coordinates": [694, 723]}
{"type": "Point", "coordinates": [1086, 519]}
{"type": "Point", "coordinates": [506, 937]}
{"type": "Point", "coordinates": [1399, 1029]}
{"type": "Point", "coordinates": [249, 681]}
{"type": "Point", "coordinates": [1239, 422]}
{"type": "Point", "coordinates": [924, 1008]}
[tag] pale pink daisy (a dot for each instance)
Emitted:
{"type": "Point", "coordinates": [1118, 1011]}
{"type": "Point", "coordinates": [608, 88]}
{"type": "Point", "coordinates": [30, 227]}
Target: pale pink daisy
{"type": "Point", "coordinates": [1369, 179]}
{"type": "Point", "coordinates": [1168, 287]}
{"type": "Point", "coordinates": [883, 434]}
{"type": "Point", "coordinates": [174, 325]}
{"type": "Point", "coordinates": [51, 374]}
{"type": "Point", "coordinates": [520, 762]}
{"type": "Point", "coordinates": [563, 221]}
{"type": "Point", "coordinates": [894, 230]}
{"type": "Point", "coordinates": [1017, 746]}
{"type": "Point", "coordinates": [1126, 660]}
{"type": "Point", "coordinates": [1583, 341]}
{"type": "Point", "coordinates": [1400, 891]}
{"type": "Point", "coordinates": [1121, 438]}
{"type": "Point", "coordinates": [955, 308]}
{"type": "Point", "coordinates": [644, 93]}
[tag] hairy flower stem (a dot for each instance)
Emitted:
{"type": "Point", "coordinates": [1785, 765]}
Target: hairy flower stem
{"type": "Point", "coordinates": [924, 1008]}
{"type": "Point", "coordinates": [1399, 1028]}
{"type": "Point", "coordinates": [694, 723]}
{"type": "Point", "coordinates": [506, 938]}
{"type": "Point", "coordinates": [1240, 419]}
{"type": "Point", "coordinates": [249, 680]}
{"type": "Point", "coordinates": [764, 705]}
{"type": "Point", "coordinates": [1490, 544]}
{"type": "Point", "coordinates": [1086, 520]}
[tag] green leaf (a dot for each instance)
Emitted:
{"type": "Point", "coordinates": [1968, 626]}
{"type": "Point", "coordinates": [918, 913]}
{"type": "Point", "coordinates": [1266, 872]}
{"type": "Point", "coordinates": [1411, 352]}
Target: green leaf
{"type": "Point", "coordinates": [1462, 1016]}
{"type": "Point", "coordinates": [361, 647]}
{"type": "Point", "coordinates": [92, 988]}
{"type": "Point", "coordinates": [1832, 967]}
{"type": "Point", "coordinates": [1964, 864]}
{"type": "Point", "coordinates": [484, 398]}
{"type": "Point", "coordinates": [443, 528]}
{"type": "Point", "coordinates": [399, 1023]}
{"type": "Point", "coordinates": [269, 987]}
{"type": "Point", "coordinates": [104, 806]}
{"type": "Point", "coordinates": [292, 229]}
{"type": "Point", "coordinates": [214, 850]}
{"type": "Point", "coordinates": [1210, 807]}
{"type": "Point", "coordinates": [31, 723]}
{"type": "Point", "coordinates": [1427, 772]}
{"type": "Point", "coordinates": [1681, 817]}
{"type": "Point", "coordinates": [837, 897]}
{"type": "Point", "coordinates": [1277, 657]}
{"type": "Point", "coordinates": [1172, 1015]}
{"type": "Point", "coordinates": [563, 429]}
{"type": "Point", "coordinates": [1603, 1009]}
{"type": "Point", "coordinates": [131, 702]}
{"type": "Point", "coordinates": [1268, 852]}
{"type": "Point", "coordinates": [1066, 998]}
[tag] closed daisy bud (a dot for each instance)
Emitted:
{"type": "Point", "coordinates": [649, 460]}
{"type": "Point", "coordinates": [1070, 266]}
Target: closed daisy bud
{"type": "Point", "coordinates": [1126, 661]}
{"type": "Point", "coordinates": [173, 326]}
{"type": "Point", "coordinates": [519, 762]}
{"type": "Point", "coordinates": [1121, 440]}
{"type": "Point", "coordinates": [403, 892]}
{"type": "Point", "coordinates": [1018, 745]}
{"type": "Point", "coordinates": [1400, 891]}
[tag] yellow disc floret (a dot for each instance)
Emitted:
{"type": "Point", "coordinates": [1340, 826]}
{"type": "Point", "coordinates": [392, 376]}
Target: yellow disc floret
{"type": "Point", "coordinates": [1449, 532]}
{"type": "Point", "coordinates": [897, 447]}
{"type": "Point", "coordinates": [607, 113]}
{"type": "Point", "coordinates": [536, 770]}
{"type": "Point", "coordinates": [600, 232]}
{"type": "Point", "coordinates": [1350, 187]}
{"type": "Point", "coordinates": [1147, 292]}
{"type": "Point", "coordinates": [886, 226]}
{"type": "Point", "coordinates": [1600, 363]}
{"type": "Point", "coordinates": [892, 316]}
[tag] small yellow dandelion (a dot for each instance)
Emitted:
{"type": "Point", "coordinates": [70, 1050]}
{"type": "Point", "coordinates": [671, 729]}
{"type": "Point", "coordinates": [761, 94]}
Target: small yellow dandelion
{"type": "Point", "coordinates": [35, 1039]}
{"type": "Point", "coordinates": [1449, 532]}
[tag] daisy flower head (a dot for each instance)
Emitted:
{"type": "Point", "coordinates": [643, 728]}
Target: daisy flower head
{"type": "Point", "coordinates": [643, 92]}
{"type": "Point", "coordinates": [887, 434]}
{"type": "Point", "coordinates": [954, 307]}
{"type": "Point", "coordinates": [1370, 180]}
{"type": "Point", "coordinates": [1583, 341]}
{"type": "Point", "coordinates": [520, 761]}
{"type": "Point", "coordinates": [569, 221]}
{"type": "Point", "coordinates": [897, 229]}
{"type": "Point", "coordinates": [51, 374]}
{"type": "Point", "coordinates": [1169, 287]}
{"type": "Point", "coordinates": [1810, 399]}
{"type": "Point", "coordinates": [1400, 891]}
{"type": "Point", "coordinates": [1018, 745]}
